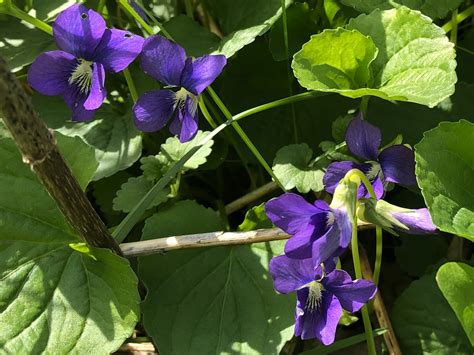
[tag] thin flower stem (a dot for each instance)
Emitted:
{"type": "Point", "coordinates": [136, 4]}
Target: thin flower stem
{"type": "Point", "coordinates": [281, 102]}
{"type": "Point", "coordinates": [378, 253]}
{"type": "Point", "coordinates": [101, 6]}
{"type": "Point", "coordinates": [358, 176]}
{"type": "Point", "coordinates": [459, 18]}
{"type": "Point", "coordinates": [378, 230]}
{"type": "Point", "coordinates": [16, 12]}
{"type": "Point", "coordinates": [454, 27]}
{"type": "Point", "coordinates": [141, 21]}
{"type": "Point", "coordinates": [364, 105]}
{"type": "Point", "coordinates": [188, 4]}
{"type": "Point", "coordinates": [288, 67]}
{"type": "Point", "coordinates": [205, 112]}
{"type": "Point", "coordinates": [250, 197]}
{"type": "Point", "coordinates": [244, 136]}
{"type": "Point", "coordinates": [131, 84]}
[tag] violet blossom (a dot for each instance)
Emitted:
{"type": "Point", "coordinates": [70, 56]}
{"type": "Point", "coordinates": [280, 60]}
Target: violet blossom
{"type": "Point", "coordinates": [166, 61]}
{"type": "Point", "coordinates": [317, 230]}
{"type": "Point", "coordinates": [393, 164]}
{"type": "Point", "coordinates": [321, 292]}
{"type": "Point", "coordinates": [87, 50]}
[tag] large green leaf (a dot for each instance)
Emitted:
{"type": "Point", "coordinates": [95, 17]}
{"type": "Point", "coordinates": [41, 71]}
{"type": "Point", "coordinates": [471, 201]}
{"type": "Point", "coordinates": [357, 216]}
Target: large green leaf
{"type": "Point", "coordinates": [55, 299]}
{"type": "Point", "coordinates": [211, 300]}
{"type": "Point", "coordinates": [20, 44]}
{"type": "Point", "coordinates": [425, 323]}
{"type": "Point", "coordinates": [417, 66]}
{"type": "Point", "coordinates": [445, 171]}
{"type": "Point", "coordinates": [293, 166]}
{"type": "Point", "coordinates": [117, 143]}
{"type": "Point", "coordinates": [456, 282]}
{"type": "Point", "coordinates": [46, 10]}
{"type": "Point", "coordinates": [432, 8]}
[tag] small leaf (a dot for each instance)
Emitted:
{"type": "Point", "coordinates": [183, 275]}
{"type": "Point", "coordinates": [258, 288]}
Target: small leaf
{"type": "Point", "coordinates": [292, 168]}
{"type": "Point", "coordinates": [445, 171]}
{"type": "Point", "coordinates": [133, 191]}
{"type": "Point", "coordinates": [456, 282]}
{"type": "Point", "coordinates": [221, 300]}
{"type": "Point", "coordinates": [255, 218]}
{"type": "Point", "coordinates": [173, 150]}
{"type": "Point", "coordinates": [117, 143]}
{"type": "Point", "coordinates": [425, 323]}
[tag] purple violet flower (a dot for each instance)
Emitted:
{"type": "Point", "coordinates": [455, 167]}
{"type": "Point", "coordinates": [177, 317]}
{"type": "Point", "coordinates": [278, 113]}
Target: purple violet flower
{"type": "Point", "coordinates": [166, 62]}
{"type": "Point", "coordinates": [393, 164]}
{"type": "Point", "coordinates": [318, 230]}
{"type": "Point", "coordinates": [321, 295]}
{"type": "Point", "coordinates": [87, 50]}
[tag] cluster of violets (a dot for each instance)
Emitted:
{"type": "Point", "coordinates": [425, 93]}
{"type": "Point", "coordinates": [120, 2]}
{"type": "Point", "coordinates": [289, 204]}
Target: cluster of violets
{"type": "Point", "coordinates": [88, 49]}
{"type": "Point", "coordinates": [320, 233]}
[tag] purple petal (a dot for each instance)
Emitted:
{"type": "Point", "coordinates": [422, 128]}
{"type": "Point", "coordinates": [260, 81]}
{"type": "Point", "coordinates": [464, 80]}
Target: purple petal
{"type": "Point", "coordinates": [153, 110]}
{"type": "Point", "coordinates": [291, 274]}
{"type": "Point", "coordinates": [163, 60]}
{"type": "Point", "coordinates": [291, 212]}
{"type": "Point", "coordinates": [199, 73]}
{"type": "Point", "coordinates": [118, 49]}
{"type": "Point", "coordinates": [75, 100]}
{"type": "Point", "coordinates": [299, 245]}
{"type": "Point", "coordinates": [335, 241]}
{"type": "Point", "coordinates": [185, 124]}
{"type": "Point", "coordinates": [50, 72]}
{"type": "Point", "coordinates": [138, 10]}
{"type": "Point", "coordinates": [417, 221]}
{"type": "Point", "coordinates": [320, 323]}
{"type": "Point", "coordinates": [378, 187]}
{"type": "Point", "coordinates": [351, 294]}
{"type": "Point", "coordinates": [97, 91]}
{"type": "Point", "coordinates": [398, 165]}
{"type": "Point", "coordinates": [363, 139]}
{"type": "Point", "coordinates": [78, 30]}
{"type": "Point", "coordinates": [337, 170]}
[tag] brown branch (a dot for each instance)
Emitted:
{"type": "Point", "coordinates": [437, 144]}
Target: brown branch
{"type": "Point", "coordinates": [379, 308]}
{"type": "Point", "coordinates": [250, 197]}
{"type": "Point", "coordinates": [37, 144]}
{"type": "Point", "coordinates": [160, 245]}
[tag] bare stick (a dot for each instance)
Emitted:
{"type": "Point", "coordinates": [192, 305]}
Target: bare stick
{"type": "Point", "coordinates": [160, 245]}
{"type": "Point", "coordinates": [379, 308]}
{"type": "Point", "coordinates": [250, 197]}
{"type": "Point", "coordinates": [37, 144]}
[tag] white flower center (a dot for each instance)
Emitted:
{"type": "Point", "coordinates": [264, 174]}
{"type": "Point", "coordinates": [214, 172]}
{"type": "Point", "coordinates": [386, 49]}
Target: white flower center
{"type": "Point", "coordinates": [314, 296]}
{"type": "Point", "coordinates": [82, 76]}
{"type": "Point", "coordinates": [330, 218]}
{"type": "Point", "coordinates": [374, 171]}
{"type": "Point", "coordinates": [181, 96]}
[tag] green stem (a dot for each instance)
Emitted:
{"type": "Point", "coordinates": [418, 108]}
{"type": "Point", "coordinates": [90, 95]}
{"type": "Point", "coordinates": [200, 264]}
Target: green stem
{"type": "Point", "coordinates": [454, 27]}
{"type": "Point", "coordinates": [378, 230]}
{"type": "Point", "coordinates": [459, 18]}
{"type": "Point", "coordinates": [101, 6]}
{"type": "Point", "coordinates": [142, 22]}
{"type": "Point", "coordinates": [281, 102]}
{"type": "Point", "coordinates": [288, 68]}
{"type": "Point", "coordinates": [16, 12]}
{"type": "Point", "coordinates": [206, 113]}
{"type": "Point", "coordinates": [358, 272]}
{"type": "Point", "coordinates": [131, 84]}
{"type": "Point", "coordinates": [188, 4]}
{"type": "Point", "coordinates": [122, 230]}
{"type": "Point", "coordinates": [244, 136]}
{"type": "Point", "coordinates": [378, 254]}
{"type": "Point", "coordinates": [364, 105]}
